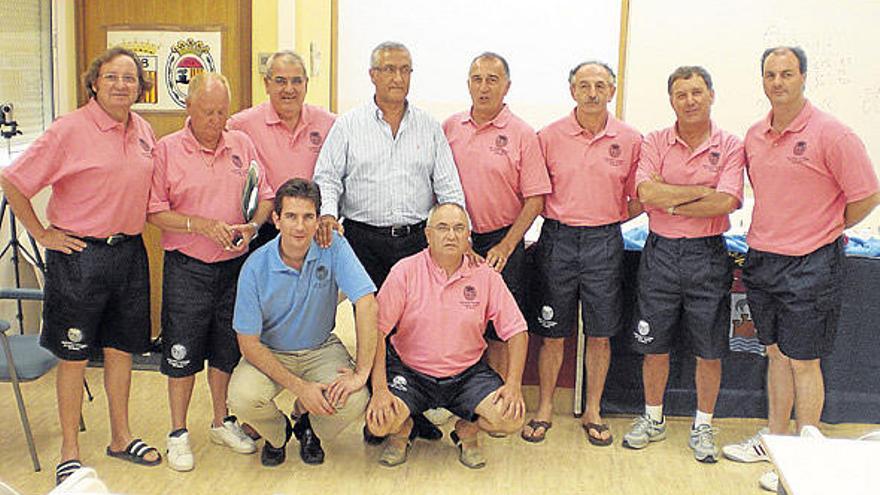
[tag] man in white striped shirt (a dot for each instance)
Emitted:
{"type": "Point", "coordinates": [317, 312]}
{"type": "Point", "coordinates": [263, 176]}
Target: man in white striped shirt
{"type": "Point", "coordinates": [382, 167]}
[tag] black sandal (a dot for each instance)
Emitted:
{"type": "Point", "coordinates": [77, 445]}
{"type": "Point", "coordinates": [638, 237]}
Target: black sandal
{"type": "Point", "coordinates": [65, 469]}
{"type": "Point", "coordinates": [136, 452]}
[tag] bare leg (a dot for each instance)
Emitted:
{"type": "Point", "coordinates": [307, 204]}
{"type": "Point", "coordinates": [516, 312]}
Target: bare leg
{"type": "Point", "coordinates": [549, 363]}
{"type": "Point", "coordinates": [708, 383]}
{"type": "Point", "coordinates": [655, 373]}
{"type": "Point", "coordinates": [117, 384]}
{"type": "Point", "coordinates": [69, 391]}
{"type": "Point", "coordinates": [780, 391]}
{"type": "Point", "coordinates": [598, 360]}
{"type": "Point", "coordinates": [179, 395]}
{"type": "Point", "coordinates": [809, 392]}
{"type": "Point", "coordinates": [218, 383]}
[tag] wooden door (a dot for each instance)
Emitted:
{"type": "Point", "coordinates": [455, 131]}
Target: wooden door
{"type": "Point", "coordinates": [231, 17]}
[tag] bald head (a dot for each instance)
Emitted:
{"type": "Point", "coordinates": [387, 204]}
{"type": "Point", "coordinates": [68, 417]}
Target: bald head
{"type": "Point", "coordinates": [207, 105]}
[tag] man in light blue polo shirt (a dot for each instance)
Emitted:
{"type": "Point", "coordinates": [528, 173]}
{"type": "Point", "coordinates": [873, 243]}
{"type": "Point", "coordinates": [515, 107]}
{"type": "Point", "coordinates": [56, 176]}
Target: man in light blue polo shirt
{"type": "Point", "coordinates": [285, 311]}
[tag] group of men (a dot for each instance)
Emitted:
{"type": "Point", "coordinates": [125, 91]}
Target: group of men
{"type": "Point", "coordinates": [421, 226]}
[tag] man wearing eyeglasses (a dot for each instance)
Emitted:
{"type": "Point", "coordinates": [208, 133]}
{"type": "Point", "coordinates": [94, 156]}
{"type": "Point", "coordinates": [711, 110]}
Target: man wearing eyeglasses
{"type": "Point", "coordinates": [439, 305]}
{"type": "Point", "coordinates": [383, 166]}
{"type": "Point", "coordinates": [287, 132]}
{"type": "Point", "coordinates": [503, 175]}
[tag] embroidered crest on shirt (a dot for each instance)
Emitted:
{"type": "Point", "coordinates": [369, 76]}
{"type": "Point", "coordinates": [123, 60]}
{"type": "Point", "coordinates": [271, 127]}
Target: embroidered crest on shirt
{"type": "Point", "coordinates": [500, 147]}
{"type": "Point", "coordinates": [470, 294]}
{"type": "Point", "coordinates": [315, 138]}
{"type": "Point", "coordinates": [800, 148]}
{"type": "Point", "coordinates": [321, 272]}
{"type": "Point", "coordinates": [713, 163]}
{"type": "Point", "coordinates": [613, 158]}
{"type": "Point", "coordinates": [145, 145]}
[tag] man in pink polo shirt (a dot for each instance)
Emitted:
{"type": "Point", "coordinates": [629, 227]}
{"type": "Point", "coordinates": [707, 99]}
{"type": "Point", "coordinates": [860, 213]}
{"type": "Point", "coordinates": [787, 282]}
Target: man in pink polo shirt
{"type": "Point", "coordinates": [198, 178]}
{"type": "Point", "coordinates": [287, 132]}
{"type": "Point", "coordinates": [690, 177]}
{"type": "Point", "coordinates": [592, 159]}
{"type": "Point", "coordinates": [812, 178]}
{"type": "Point", "coordinates": [439, 305]}
{"type": "Point", "coordinates": [503, 176]}
{"type": "Point", "coordinates": [97, 294]}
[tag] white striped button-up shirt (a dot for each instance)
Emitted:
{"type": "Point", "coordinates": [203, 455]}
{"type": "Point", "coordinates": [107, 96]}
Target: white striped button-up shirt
{"type": "Point", "coordinates": [368, 175]}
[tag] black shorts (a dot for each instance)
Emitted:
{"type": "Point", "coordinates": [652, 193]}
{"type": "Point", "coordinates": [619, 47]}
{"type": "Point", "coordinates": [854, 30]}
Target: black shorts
{"type": "Point", "coordinates": [378, 248]}
{"type": "Point", "coordinates": [96, 298]}
{"type": "Point", "coordinates": [684, 283]}
{"type": "Point", "coordinates": [198, 299]}
{"type": "Point", "coordinates": [513, 273]}
{"type": "Point", "coordinates": [795, 300]}
{"type": "Point", "coordinates": [460, 394]}
{"type": "Point", "coordinates": [578, 263]}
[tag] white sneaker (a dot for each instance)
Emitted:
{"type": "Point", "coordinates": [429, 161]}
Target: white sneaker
{"type": "Point", "coordinates": [232, 436]}
{"type": "Point", "coordinates": [179, 454]}
{"type": "Point", "coordinates": [749, 450]}
{"type": "Point", "coordinates": [769, 481]}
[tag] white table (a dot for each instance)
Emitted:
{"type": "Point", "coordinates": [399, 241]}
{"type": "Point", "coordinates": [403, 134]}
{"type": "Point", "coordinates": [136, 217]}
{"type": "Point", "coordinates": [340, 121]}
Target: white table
{"type": "Point", "coordinates": [825, 466]}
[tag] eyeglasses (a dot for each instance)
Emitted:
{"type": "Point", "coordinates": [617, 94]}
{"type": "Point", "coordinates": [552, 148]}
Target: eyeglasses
{"type": "Point", "coordinates": [283, 81]}
{"type": "Point", "coordinates": [114, 78]}
{"type": "Point", "coordinates": [389, 70]}
{"type": "Point", "coordinates": [442, 228]}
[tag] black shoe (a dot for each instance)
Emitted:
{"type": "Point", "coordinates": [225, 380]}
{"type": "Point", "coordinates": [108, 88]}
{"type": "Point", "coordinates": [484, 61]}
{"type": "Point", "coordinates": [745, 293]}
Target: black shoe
{"type": "Point", "coordinates": [275, 456]}
{"type": "Point", "coordinates": [422, 428]}
{"type": "Point", "coordinates": [310, 450]}
{"type": "Point", "coordinates": [371, 439]}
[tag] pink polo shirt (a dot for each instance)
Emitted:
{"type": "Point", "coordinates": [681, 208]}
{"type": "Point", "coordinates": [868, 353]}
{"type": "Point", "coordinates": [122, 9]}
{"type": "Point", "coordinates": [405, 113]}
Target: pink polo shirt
{"type": "Point", "coordinates": [440, 321]}
{"type": "Point", "coordinates": [282, 153]}
{"type": "Point", "coordinates": [803, 178]}
{"type": "Point", "coordinates": [499, 164]}
{"type": "Point", "coordinates": [99, 170]}
{"type": "Point", "coordinates": [717, 163]}
{"type": "Point", "coordinates": [592, 176]}
{"type": "Point", "coordinates": [192, 180]}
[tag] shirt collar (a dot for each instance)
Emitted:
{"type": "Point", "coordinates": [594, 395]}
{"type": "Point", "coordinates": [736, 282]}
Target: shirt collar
{"type": "Point", "coordinates": [192, 145]}
{"type": "Point", "coordinates": [276, 264]}
{"type": "Point", "coordinates": [272, 117]}
{"type": "Point", "coordinates": [500, 121]}
{"type": "Point", "coordinates": [375, 110]}
{"type": "Point", "coordinates": [573, 127]}
{"type": "Point", "coordinates": [463, 271]}
{"type": "Point", "coordinates": [100, 117]}
{"type": "Point", "coordinates": [713, 141]}
{"type": "Point", "coordinates": [796, 125]}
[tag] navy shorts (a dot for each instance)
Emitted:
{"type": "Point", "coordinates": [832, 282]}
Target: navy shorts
{"type": "Point", "coordinates": [578, 263]}
{"type": "Point", "coordinates": [513, 273]}
{"type": "Point", "coordinates": [460, 394]}
{"type": "Point", "coordinates": [198, 299]}
{"type": "Point", "coordinates": [684, 283]}
{"type": "Point", "coordinates": [96, 298]}
{"type": "Point", "coordinates": [795, 300]}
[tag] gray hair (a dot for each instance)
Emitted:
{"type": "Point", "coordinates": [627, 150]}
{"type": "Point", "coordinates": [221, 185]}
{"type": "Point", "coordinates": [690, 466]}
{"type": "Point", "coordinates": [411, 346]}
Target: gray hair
{"type": "Point", "coordinates": [797, 51]}
{"type": "Point", "coordinates": [288, 57]}
{"type": "Point", "coordinates": [686, 72]}
{"type": "Point", "coordinates": [199, 82]}
{"type": "Point", "coordinates": [496, 57]}
{"type": "Point", "coordinates": [386, 46]}
{"type": "Point", "coordinates": [573, 72]}
{"type": "Point", "coordinates": [449, 203]}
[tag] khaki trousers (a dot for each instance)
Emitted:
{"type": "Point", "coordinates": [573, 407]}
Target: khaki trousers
{"type": "Point", "coordinates": [251, 392]}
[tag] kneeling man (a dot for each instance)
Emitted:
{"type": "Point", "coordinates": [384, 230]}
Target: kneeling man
{"type": "Point", "coordinates": [439, 306]}
{"type": "Point", "coordinates": [285, 311]}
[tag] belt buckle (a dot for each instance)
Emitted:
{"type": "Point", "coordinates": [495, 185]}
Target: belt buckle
{"type": "Point", "coordinates": [115, 239]}
{"type": "Point", "coordinates": [400, 230]}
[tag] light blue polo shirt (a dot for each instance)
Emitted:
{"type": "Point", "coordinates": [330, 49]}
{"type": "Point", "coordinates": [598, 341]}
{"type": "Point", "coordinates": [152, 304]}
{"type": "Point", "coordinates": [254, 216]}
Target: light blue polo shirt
{"type": "Point", "coordinates": [293, 310]}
